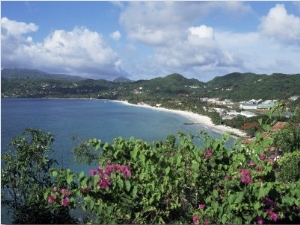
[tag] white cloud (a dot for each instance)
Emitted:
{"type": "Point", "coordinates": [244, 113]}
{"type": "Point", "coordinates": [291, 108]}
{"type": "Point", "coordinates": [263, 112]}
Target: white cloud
{"type": "Point", "coordinates": [177, 45]}
{"type": "Point", "coordinates": [15, 28]}
{"type": "Point", "coordinates": [280, 25]}
{"type": "Point", "coordinates": [115, 35]}
{"type": "Point", "coordinates": [258, 54]}
{"type": "Point", "coordinates": [80, 52]}
{"type": "Point", "coordinates": [198, 34]}
{"type": "Point", "coordinates": [158, 23]}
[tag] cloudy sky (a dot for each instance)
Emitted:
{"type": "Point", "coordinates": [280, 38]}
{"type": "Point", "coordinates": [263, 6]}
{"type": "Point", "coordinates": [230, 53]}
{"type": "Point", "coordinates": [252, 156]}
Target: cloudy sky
{"type": "Point", "coordinates": [143, 40]}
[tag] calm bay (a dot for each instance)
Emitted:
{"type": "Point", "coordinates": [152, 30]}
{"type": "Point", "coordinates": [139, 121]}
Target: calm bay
{"type": "Point", "coordinates": [85, 119]}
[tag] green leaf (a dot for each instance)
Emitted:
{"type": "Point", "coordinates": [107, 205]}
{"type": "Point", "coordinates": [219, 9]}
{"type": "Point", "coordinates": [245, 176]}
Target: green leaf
{"type": "Point", "coordinates": [215, 193]}
{"type": "Point", "coordinates": [96, 179]}
{"type": "Point", "coordinates": [231, 198]}
{"type": "Point", "coordinates": [69, 178]}
{"type": "Point", "coordinates": [81, 175]}
{"type": "Point", "coordinates": [127, 185]}
{"type": "Point", "coordinates": [97, 145]}
{"type": "Point", "coordinates": [195, 166]}
{"type": "Point", "coordinates": [116, 154]}
{"type": "Point", "coordinates": [167, 170]}
{"type": "Point", "coordinates": [256, 205]}
{"type": "Point", "coordinates": [240, 196]}
{"type": "Point", "coordinates": [134, 192]}
{"type": "Point", "coordinates": [224, 218]}
{"type": "Point", "coordinates": [141, 176]}
{"type": "Point", "coordinates": [142, 158]}
{"type": "Point", "coordinates": [120, 183]}
{"type": "Point", "coordinates": [215, 206]}
{"type": "Point", "coordinates": [178, 159]}
{"type": "Point", "coordinates": [133, 153]}
{"type": "Point", "coordinates": [54, 173]}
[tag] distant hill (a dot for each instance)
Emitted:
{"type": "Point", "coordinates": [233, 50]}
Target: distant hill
{"type": "Point", "coordinates": [235, 86]}
{"type": "Point", "coordinates": [35, 74]}
{"type": "Point", "coordinates": [169, 85]}
{"type": "Point", "coordinates": [241, 86]}
{"type": "Point", "coordinates": [122, 80]}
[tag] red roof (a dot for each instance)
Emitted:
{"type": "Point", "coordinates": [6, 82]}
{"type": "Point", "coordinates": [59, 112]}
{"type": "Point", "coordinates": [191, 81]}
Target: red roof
{"type": "Point", "coordinates": [278, 126]}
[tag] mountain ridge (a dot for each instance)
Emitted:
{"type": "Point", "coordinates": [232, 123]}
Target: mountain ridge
{"type": "Point", "coordinates": [236, 86]}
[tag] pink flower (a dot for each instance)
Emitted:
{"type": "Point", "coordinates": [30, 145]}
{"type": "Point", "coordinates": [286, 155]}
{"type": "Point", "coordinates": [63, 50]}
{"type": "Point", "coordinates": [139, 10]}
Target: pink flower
{"type": "Point", "coordinates": [208, 153]}
{"type": "Point", "coordinates": [101, 172]}
{"type": "Point", "coordinates": [259, 168]}
{"type": "Point", "coordinates": [110, 169]}
{"type": "Point", "coordinates": [127, 173]}
{"type": "Point", "coordinates": [51, 198]}
{"type": "Point", "coordinates": [104, 183]}
{"type": "Point", "coordinates": [93, 172]}
{"type": "Point", "coordinates": [262, 156]}
{"type": "Point", "coordinates": [245, 176]}
{"type": "Point", "coordinates": [251, 163]}
{"type": "Point", "coordinates": [260, 220]}
{"type": "Point", "coordinates": [65, 201]}
{"type": "Point", "coordinates": [246, 179]}
{"type": "Point", "coordinates": [273, 216]}
{"type": "Point", "coordinates": [195, 219]}
{"type": "Point", "coordinates": [201, 206]}
{"type": "Point", "coordinates": [244, 172]}
{"type": "Point", "coordinates": [206, 222]}
{"type": "Point", "coordinates": [54, 189]}
{"type": "Point", "coordinates": [65, 192]}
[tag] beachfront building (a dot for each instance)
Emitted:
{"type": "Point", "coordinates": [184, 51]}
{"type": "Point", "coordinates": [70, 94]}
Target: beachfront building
{"type": "Point", "coordinates": [247, 113]}
{"type": "Point", "coordinates": [266, 105]}
{"type": "Point", "coordinates": [248, 106]}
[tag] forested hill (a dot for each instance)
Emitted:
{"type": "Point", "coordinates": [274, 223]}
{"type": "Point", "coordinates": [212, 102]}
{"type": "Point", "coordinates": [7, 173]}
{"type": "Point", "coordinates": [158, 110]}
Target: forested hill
{"type": "Point", "coordinates": [234, 86]}
{"type": "Point", "coordinates": [239, 86]}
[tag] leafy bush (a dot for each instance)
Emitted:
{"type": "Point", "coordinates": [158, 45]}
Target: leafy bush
{"type": "Point", "coordinates": [25, 177]}
{"type": "Point", "coordinates": [176, 181]}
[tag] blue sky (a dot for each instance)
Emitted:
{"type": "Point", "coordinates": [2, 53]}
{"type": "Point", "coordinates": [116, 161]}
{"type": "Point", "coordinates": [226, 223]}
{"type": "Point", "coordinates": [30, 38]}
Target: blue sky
{"type": "Point", "coordinates": [143, 40]}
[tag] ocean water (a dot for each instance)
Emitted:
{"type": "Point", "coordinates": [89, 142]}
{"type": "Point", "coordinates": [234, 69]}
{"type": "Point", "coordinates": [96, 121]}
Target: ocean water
{"type": "Point", "coordinates": [85, 119]}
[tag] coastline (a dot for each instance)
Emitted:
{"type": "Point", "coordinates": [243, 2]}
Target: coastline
{"type": "Point", "coordinates": [196, 119]}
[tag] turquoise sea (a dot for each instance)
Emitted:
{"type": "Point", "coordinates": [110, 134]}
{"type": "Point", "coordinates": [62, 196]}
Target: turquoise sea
{"type": "Point", "coordinates": [84, 119]}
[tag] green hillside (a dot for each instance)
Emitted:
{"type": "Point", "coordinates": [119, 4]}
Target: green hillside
{"type": "Point", "coordinates": [234, 86]}
{"type": "Point", "coordinates": [243, 86]}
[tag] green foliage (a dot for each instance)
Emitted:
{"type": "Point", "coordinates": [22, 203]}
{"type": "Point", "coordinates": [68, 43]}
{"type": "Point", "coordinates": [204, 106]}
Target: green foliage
{"type": "Point", "coordinates": [288, 138]}
{"type": "Point", "coordinates": [25, 177]}
{"type": "Point", "coordinates": [175, 181]}
{"type": "Point", "coordinates": [289, 167]}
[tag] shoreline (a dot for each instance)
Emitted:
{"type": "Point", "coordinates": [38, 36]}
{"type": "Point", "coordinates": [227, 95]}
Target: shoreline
{"type": "Point", "coordinates": [195, 118]}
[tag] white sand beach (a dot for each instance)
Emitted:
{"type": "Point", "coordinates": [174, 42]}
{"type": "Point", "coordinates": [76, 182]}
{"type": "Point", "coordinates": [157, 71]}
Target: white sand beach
{"type": "Point", "coordinates": [196, 118]}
